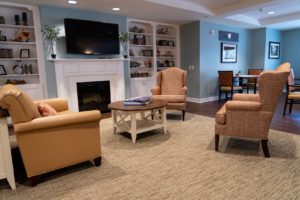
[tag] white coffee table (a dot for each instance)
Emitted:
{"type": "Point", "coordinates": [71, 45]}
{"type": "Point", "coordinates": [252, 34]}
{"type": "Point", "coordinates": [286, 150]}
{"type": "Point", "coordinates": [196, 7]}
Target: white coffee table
{"type": "Point", "coordinates": [152, 116]}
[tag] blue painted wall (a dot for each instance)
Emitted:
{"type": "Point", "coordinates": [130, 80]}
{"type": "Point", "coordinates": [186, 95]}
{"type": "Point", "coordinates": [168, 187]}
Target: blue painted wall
{"type": "Point", "coordinates": [272, 35]}
{"type": "Point", "coordinates": [291, 49]}
{"type": "Point", "coordinates": [190, 54]}
{"type": "Point", "coordinates": [51, 15]}
{"type": "Point", "coordinates": [210, 55]}
{"type": "Point", "coordinates": [258, 52]}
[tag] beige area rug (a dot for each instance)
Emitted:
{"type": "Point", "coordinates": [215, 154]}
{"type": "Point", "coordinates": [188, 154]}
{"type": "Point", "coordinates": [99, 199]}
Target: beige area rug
{"type": "Point", "coordinates": [179, 165]}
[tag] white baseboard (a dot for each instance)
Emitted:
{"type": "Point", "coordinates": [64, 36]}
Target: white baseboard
{"type": "Point", "coordinates": [202, 100]}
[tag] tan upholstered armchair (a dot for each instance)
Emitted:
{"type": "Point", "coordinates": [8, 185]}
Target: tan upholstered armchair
{"type": "Point", "coordinates": [250, 115]}
{"type": "Point", "coordinates": [53, 142]}
{"type": "Point", "coordinates": [171, 87]}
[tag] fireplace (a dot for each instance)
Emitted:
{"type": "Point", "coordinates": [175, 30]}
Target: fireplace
{"type": "Point", "coordinates": [70, 72]}
{"type": "Point", "coordinates": [93, 96]}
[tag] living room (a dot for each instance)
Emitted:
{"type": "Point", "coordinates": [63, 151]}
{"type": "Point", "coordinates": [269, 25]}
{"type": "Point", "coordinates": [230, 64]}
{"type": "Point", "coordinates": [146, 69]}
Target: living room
{"type": "Point", "coordinates": [238, 171]}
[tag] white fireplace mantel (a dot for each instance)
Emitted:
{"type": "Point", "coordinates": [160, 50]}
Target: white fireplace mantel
{"type": "Point", "coordinates": [69, 72]}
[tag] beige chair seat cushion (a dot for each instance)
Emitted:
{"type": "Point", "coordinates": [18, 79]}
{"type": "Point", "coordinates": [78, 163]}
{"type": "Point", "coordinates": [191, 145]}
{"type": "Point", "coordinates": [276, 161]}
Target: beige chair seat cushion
{"type": "Point", "coordinates": [228, 88]}
{"type": "Point", "coordinates": [294, 95]}
{"type": "Point", "coordinates": [221, 115]}
{"type": "Point", "coordinates": [170, 98]}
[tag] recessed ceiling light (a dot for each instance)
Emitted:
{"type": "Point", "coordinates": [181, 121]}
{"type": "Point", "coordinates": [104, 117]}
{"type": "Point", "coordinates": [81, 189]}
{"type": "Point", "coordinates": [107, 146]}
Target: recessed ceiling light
{"type": "Point", "coordinates": [72, 2]}
{"type": "Point", "coordinates": [115, 9]}
{"type": "Point", "coordinates": [271, 12]}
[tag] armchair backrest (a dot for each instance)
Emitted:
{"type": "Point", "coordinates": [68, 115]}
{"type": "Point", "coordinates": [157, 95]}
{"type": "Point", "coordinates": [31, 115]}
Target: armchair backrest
{"type": "Point", "coordinates": [271, 84]}
{"type": "Point", "coordinates": [18, 103]}
{"type": "Point", "coordinates": [291, 81]}
{"type": "Point", "coordinates": [225, 78]}
{"type": "Point", "coordinates": [171, 80]}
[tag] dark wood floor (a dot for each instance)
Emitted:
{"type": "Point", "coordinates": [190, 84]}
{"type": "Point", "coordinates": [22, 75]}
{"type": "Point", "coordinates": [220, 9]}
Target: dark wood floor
{"type": "Point", "coordinates": [289, 123]}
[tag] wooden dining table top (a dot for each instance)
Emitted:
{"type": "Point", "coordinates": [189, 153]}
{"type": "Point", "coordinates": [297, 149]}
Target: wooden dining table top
{"type": "Point", "coordinates": [246, 76]}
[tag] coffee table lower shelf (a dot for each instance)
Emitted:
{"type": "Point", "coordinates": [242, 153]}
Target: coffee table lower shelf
{"type": "Point", "coordinates": [128, 121]}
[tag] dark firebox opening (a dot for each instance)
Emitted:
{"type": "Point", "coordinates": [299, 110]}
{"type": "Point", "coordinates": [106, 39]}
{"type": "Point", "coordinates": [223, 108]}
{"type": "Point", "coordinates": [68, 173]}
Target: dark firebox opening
{"type": "Point", "coordinates": [94, 96]}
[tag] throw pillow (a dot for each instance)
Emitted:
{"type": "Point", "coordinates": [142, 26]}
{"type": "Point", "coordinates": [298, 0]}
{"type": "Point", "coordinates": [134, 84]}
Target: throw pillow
{"type": "Point", "coordinates": [46, 110]}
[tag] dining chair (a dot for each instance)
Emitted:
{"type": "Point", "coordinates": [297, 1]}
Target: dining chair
{"type": "Point", "coordinates": [226, 84]}
{"type": "Point", "coordinates": [292, 93]}
{"type": "Point", "coordinates": [252, 81]}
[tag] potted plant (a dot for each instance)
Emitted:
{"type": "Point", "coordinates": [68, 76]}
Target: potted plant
{"type": "Point", "coordinates": [123, 37]}
{"type": "Point", "coordinates": [50, 33]}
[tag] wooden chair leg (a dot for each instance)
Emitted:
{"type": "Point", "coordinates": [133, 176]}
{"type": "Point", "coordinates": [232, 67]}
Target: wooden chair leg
{"type": "Point", "coordinates": [291, 106]}
{"type": "Point", "coordinates": [219, 95]}
{"type": "Point", "coordinates": [284, 108]}
{"type": "Point", "coordinates": [33, 181]}
{"type": "Point", "coordinates": [226, 96]}
{"type": "Point", "coordinates": [264, 145]}
{"type": "Point", "coordinates": [97, 161]}
{"type": "Point", "coordinates": [217, 142]}
{"type": "Point", "coordinates": [183, 115]}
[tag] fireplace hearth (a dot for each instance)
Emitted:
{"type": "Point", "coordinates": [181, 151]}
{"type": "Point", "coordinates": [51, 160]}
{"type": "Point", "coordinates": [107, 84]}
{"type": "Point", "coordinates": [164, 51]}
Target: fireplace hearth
{"type": "Point", "coordinates": [93, 96]}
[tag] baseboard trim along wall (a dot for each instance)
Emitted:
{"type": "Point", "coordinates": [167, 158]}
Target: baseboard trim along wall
{"type": "Point", "coordinates": [202, 100]}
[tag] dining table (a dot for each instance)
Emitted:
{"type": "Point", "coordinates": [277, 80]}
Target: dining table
{"type": "Point", "coordinates": [242, 77]}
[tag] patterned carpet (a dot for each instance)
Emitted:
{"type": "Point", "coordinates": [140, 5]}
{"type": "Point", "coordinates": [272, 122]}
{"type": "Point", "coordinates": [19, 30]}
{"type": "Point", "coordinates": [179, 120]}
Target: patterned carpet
{"type": "Point", "coordinates": [179, 165]}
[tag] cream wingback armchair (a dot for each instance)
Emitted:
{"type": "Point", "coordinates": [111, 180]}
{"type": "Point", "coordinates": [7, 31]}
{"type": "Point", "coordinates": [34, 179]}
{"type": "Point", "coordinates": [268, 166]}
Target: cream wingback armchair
{"type": "Point", "coordinates": [53, 142]}
{"type": "Point", "coordinates": [250, 115]}
{"type": "Point", "coordinates": [171, 87]}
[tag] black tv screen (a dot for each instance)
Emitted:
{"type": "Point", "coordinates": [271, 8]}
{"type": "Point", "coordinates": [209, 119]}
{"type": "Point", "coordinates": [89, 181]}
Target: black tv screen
{"type": "Point", "coordinates": [90, 37]}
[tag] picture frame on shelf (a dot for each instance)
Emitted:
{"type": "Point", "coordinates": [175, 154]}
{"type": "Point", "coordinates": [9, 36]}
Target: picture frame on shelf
{"type": "Point", "coordinates": [228, 53]}
{"type": "Point", "coordinates": [24, 53]}
{"type": "Point", "coordinates": [3, 38]}
{"type": "Point", "coordinates": [2, 70]}
{"type": "Point", "coordinates": [274, 50]}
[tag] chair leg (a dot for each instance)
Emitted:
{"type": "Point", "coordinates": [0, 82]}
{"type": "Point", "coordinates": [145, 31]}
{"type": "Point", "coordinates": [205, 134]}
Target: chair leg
{"type": "Point", "coordinates": [284, 108]}
{"type": "Point", "coordinates": [231, 94]}
{"type": "Point", "coordinates": [264, 145]}
{"type": "Point", "coordinates": [226, 96]}
{"type": "Point", "coordinates": [291, 106]}
{"type": "Point", "coordinates": [219, 95]}
{"type": "Point", "coordinates": [217, 142]}
{"type": "Point", "coordinates": [97, 161]}
{"type": "Point", "coordinates": [183, 115]}
{"type": "Point", "coordinates": [33, 181]}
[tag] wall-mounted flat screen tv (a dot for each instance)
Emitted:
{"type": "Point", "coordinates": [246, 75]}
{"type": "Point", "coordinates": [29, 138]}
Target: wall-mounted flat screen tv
{"type": "Point", "coordinates": [91, 37]}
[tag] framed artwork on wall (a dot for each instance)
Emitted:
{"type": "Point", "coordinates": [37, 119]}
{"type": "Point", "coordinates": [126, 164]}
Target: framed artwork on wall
{"type": "Point", "coordinates": [274, 50]}
{"type": "Point", "coordinates": [228, 53]}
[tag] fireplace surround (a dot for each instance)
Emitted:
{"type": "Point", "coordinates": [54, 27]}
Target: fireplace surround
{"type": "Point", "coordinates": [70, 72]}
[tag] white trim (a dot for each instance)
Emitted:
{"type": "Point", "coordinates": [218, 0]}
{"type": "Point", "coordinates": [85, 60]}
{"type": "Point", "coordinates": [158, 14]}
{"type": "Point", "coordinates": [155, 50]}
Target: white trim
{"type": "Point", "coordinates": [202, 100]}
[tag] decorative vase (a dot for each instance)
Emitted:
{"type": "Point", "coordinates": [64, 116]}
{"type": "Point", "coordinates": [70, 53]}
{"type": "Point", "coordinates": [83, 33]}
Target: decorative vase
{"type": "Point", "coordinates": [53, 56]}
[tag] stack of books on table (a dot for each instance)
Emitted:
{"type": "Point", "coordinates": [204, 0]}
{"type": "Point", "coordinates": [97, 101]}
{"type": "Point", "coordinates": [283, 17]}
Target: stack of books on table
{"type": "Point", "coordinates": [137, 101]}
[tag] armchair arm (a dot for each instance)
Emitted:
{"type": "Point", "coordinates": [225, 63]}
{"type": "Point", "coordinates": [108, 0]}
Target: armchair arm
{"type": "Point", "coordinates": [243, 106]}
{"type": "Point", "coordinates": [58, 104]}
{"type": "Point", "coordinates": [184, 90]}
{"type": "Point", "coordinates": [58, 121]}
{"type": "Point", "coordinates": [246, 97]}
{"type": "Point", "coordinates": [156, 90]}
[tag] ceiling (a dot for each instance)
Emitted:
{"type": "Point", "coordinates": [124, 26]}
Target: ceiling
{"type": "Point", "coordinates": [243, 13]}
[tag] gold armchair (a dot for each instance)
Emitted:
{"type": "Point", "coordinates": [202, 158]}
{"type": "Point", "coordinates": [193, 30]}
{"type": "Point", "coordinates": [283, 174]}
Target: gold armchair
{"type": "Point", "coordinates": [292, 93]}
{"type": "Point", "coordinates": [54, 142]}
{"type": "Point", "coordinates": [171, 87]}
{"type": "Point", "coordinates": [250, 115]}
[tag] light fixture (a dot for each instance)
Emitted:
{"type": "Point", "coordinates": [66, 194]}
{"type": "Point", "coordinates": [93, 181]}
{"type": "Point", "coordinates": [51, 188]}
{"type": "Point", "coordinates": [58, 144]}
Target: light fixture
{"type": "Point", "coordinates": [115, 9]}
{"type": "Point", "coordinates": [72, 2]}
{"type": "Point", "coordinates": [271, 12]}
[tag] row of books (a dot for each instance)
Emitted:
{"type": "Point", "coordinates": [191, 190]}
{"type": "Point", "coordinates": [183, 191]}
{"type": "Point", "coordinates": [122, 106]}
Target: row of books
{"type": "Point", "coordinates": [137, 101]}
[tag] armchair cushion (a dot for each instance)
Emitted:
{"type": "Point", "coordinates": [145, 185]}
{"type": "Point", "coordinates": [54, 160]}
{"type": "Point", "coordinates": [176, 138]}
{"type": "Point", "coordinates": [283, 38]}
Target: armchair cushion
{"type": "Point", "coordinates": [46, 110]}
{"type": "Point", "coordinates": [59, 104]}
